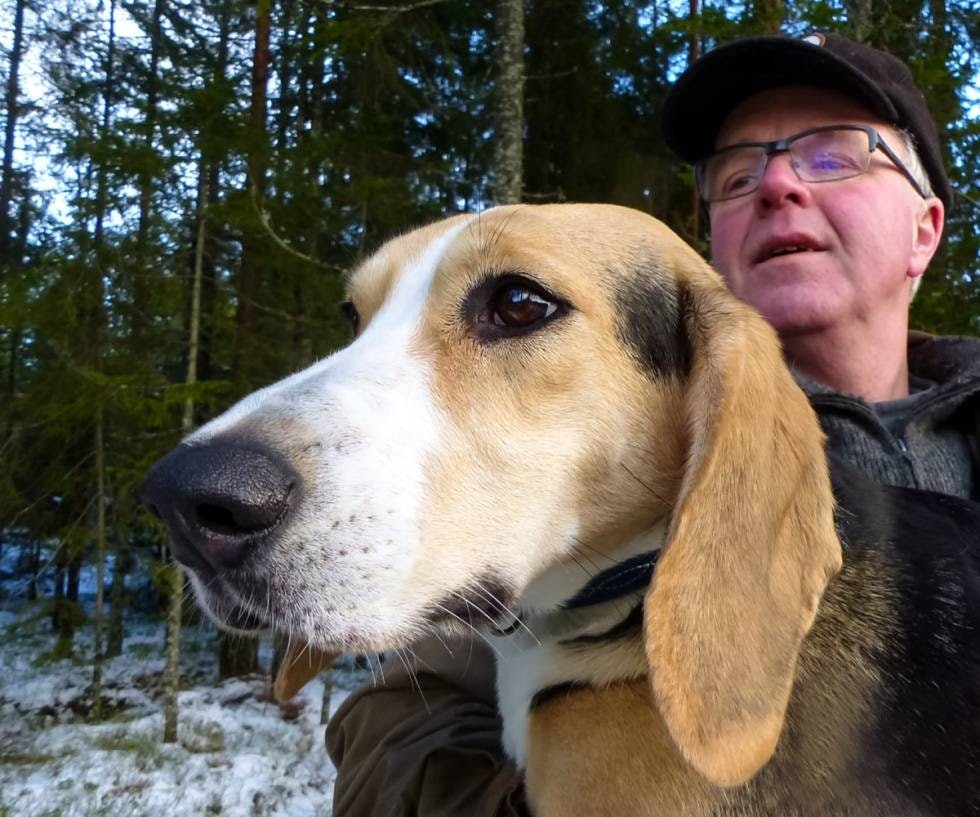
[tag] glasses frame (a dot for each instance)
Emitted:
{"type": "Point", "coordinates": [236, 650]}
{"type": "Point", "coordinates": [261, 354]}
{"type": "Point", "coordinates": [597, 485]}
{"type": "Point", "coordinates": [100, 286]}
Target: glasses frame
{"type": "Point", "coordinates": [777, 146]}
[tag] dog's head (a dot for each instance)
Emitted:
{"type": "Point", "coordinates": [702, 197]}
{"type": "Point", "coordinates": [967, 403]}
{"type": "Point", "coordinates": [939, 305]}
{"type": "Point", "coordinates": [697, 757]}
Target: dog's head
{"type": "Point", "coordinates": [526, 386]}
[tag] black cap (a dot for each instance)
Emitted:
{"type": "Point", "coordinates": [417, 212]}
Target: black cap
{"type": "Point", "coordinates": [708, 91]}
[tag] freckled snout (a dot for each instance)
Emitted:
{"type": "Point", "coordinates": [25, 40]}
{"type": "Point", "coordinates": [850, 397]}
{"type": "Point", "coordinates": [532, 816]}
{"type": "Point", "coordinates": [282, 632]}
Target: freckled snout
{"type": "Point", "coordinates": [219, 501]}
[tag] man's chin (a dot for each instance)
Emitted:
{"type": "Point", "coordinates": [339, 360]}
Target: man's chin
{"type": "Point", "coordinates": [795, 308]}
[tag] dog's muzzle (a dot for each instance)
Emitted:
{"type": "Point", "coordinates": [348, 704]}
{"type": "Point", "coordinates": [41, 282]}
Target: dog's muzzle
{"type": "Point", "coordinates": [220, 502]}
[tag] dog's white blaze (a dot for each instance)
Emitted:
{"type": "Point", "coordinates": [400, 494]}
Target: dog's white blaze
{"type": "Point", "coordinates": [384, 343]}
{"type": "Point", "coordinates": [367, 421]}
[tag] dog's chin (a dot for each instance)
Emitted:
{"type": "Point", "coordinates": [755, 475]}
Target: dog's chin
{"type": "Point", "coordinates": [228, 614]}
{"type": "Point", "coordinates": [235, 619]}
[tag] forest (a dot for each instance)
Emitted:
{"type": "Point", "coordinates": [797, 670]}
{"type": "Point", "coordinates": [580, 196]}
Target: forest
{"type": "Point", "coordinates": [184, 184]}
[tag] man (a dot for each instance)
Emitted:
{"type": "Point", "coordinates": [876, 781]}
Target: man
{"type": "Point", "coordinates": [821, 171]}
{"type": "Point", "coordinates": [831, 252]}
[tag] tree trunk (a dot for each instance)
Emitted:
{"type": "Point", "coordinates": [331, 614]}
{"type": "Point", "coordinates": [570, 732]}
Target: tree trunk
{"type": "Point", "coordinates": [8, 255]}
{"type": "Point", "coordinates": [508, 159]}
{"type": "Point", "coordinates": [209, 282]}
{"type": "Point", "coordinates": [290, 50]}
{"type": "Point", "coordinates": [33, 592]}
{"type": "Point", "coordinates": [171, 672]}
{"type": "Point", "coordinates": [237, 655]}
{"type": "Point", "coordinates": [102, 191]}
{"type": "Point", "coordinates": [693, 55]}
{"type": "Point", "coordinates": [68, 611]}
{"type": "Point", "coordinates": [138, 282]}
{"type": "Point", "coordinates": [91, 353]}
{"type": "Point", "coordinates": [58, 591]}
{"type": "Point", "coordinates": [9, 135]}
{"type": "Point", "coordinates": [767, 16]}
{"type": "Point", "coordinates": [859, 19]}
{"type": "Point", "coordinates": [96, 690]}
{"type": "Point", "coordinates": [246, 340]}
{"type": "Point", "coordinates": [117, 593]}
{"type": "Point", "coordinates": [176, 588]}
{"type": "Point", "coordinates": [150, 124]}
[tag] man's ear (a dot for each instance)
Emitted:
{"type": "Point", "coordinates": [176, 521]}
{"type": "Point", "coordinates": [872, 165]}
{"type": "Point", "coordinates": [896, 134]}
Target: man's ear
{"type": "Point", "coordinates": [751, 547]}
{"type": "Point", "coordinates": [927, 232]}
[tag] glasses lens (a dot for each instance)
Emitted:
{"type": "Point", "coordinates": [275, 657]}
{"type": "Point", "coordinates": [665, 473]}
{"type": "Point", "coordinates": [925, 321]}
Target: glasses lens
{"type": "Point", "coordinates": [732, 173]}
{"type": "Point", "coordinates": [831, 154]}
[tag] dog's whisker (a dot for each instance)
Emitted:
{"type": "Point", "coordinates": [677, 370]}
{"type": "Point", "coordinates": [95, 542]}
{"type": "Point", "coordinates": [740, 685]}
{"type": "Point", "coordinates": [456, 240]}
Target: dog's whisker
{"type": "Point", "coordinates": [413, 679]}
{"type": "Point", "coordinates": [438, 637]}
{"type": "Point", "coordinates": [579, 544]}
{"type": "Point", "coordinates": [579, 548]}
{"type": "Point", "coordinates": [471, 606]}
{"type": "Point", "coordinates": [649, 489]}
{"type": "Point", "coordinates": [414, 656]}
{"type": "Point", "coordinates": [381, 668]}
{"type": "Point", "coordinates": [489, 596]}
{"type": "Point", "coordinates": [582, 567]}
{"type": "Point", "coordinates": [469, 626]}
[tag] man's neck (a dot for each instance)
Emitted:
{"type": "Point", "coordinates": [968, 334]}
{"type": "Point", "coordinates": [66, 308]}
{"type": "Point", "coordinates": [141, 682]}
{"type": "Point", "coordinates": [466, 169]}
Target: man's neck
{"type": "Point", "coordinates": [874, 368]}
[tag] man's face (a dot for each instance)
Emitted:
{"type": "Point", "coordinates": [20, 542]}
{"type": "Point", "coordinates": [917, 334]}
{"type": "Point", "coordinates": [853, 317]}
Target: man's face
{"type": "Point", "coordinates": [861, 241]}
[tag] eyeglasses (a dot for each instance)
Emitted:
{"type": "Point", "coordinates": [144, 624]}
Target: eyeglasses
{"type": "Point", "coordinates": [826, 154]}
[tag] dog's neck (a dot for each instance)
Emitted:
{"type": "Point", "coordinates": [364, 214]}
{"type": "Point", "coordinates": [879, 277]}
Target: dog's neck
{"type": "Point", "coordinates": [559, 586]}
{"type": "Point", "coordinates": [575, 627]}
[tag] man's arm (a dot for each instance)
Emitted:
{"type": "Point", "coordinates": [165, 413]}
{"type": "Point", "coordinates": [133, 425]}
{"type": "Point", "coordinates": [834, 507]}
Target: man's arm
{"type": "Point", "coordinates": [425, 742]}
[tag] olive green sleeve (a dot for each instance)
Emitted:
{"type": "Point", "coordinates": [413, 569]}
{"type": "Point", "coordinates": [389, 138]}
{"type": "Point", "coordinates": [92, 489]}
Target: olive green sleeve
{"type": "Point", "coordinates": [425, 742]}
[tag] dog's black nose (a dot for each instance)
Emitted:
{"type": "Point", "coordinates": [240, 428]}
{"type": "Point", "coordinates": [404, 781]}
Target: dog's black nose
{"type": "Point", "coordinates": [218, 501]}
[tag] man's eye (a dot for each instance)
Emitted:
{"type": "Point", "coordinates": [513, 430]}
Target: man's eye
{"type": "Point", "coordinates": [738, 182]}
{"type": "Point", "coordinates": [520, 306]}
{"type": "Point", "coordinates": [832, 162]}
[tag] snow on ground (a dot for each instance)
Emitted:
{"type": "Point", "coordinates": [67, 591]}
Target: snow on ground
{"type": "Point", "coordinates": [237, 755]}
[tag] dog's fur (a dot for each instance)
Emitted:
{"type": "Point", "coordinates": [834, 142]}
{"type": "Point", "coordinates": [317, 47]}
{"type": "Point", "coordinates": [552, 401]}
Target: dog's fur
{"type": "Point", "coordinates": [449, 468]}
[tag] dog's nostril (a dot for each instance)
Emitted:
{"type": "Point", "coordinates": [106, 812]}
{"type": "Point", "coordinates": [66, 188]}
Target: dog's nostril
{"type": "Point", "coordinates": [218, 520]}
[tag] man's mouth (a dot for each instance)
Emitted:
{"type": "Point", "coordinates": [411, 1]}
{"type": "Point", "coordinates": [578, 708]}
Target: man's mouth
{"type": "Point", "coordinates": [780, 249]}
{"type": "Point", "coordinates": [788, 251]}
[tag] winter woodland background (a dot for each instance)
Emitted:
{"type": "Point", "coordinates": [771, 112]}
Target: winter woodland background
{"type": "Point", "coordinates": [183, 184]}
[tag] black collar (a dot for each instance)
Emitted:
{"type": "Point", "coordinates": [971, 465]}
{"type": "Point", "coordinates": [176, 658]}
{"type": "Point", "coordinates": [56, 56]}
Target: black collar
{"type": "Point", "coordinates": [621, 579]}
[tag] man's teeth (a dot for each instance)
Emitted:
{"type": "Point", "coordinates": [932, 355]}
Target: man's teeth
{"type": "Point", "coordinates": [788, 250]}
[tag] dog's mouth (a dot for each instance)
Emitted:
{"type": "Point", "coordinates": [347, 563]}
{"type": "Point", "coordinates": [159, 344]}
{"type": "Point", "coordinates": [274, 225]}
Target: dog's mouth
{"type": "Point", "coordinates": [226, 610]}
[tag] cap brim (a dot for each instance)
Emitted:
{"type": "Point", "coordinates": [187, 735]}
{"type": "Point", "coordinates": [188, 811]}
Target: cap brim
{"type": "Point", "coordinates": [704, 96]}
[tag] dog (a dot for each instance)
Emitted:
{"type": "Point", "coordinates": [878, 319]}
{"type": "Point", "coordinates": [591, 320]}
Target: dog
{"type": "Point", "coordinates": [555, 423]}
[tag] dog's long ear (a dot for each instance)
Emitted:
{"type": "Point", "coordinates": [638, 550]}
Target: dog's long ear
{"type": "Point", "coordinates": [751, 547]}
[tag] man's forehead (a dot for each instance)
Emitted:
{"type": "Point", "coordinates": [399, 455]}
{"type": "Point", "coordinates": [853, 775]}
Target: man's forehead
{"type": "Point", "coordinates": [780, 112]}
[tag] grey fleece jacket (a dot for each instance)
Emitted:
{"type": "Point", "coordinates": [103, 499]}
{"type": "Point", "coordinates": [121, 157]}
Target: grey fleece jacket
{"type": "Point", "coordinates": [930, 440]}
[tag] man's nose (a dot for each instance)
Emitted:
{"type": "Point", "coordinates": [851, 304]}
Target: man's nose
{"type": "Point", "coordinates": [780, 185]}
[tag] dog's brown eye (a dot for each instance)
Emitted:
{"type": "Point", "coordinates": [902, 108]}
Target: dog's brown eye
{"type": "Point", "coordinates": [520, 306]}
{"type": "Point", "coordinates": [510, 306]}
